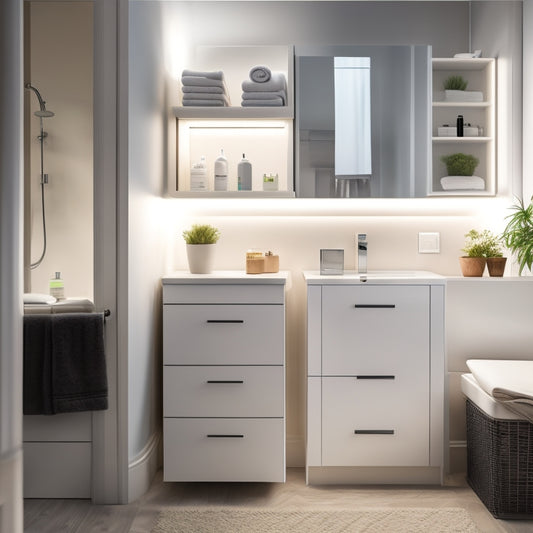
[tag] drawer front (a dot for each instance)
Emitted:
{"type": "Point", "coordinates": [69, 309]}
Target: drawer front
{"type": "Point", "coordinates": [375, 422]}
{"type": "Point", "coordinates": [224, 294]}
{"type": "Point", "coordinates": [224, 334]}
{"type": "Point", "coordinates": [374, 329]}
{"type": "Point", "coordinates": [224, 391]}
{"type": "Point", "coordinates": [211, 449]}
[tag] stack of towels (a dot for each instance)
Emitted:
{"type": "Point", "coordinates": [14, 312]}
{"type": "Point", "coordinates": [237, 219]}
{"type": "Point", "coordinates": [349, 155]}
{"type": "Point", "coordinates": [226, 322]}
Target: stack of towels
{"type": "Point", "coordinates": [204, 89]}
{"type": "Point", "coordinates": [264, 88]}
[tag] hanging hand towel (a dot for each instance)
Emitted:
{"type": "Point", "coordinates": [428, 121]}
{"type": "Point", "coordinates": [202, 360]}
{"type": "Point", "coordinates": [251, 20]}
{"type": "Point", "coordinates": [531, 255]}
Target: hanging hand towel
{"type": "Point", "coordinates": [260, 74]}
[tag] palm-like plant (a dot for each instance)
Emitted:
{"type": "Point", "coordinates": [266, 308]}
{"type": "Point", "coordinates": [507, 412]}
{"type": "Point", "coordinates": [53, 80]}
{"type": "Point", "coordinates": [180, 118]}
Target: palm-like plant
{"type": "Point", "coordinates": [518, 234]}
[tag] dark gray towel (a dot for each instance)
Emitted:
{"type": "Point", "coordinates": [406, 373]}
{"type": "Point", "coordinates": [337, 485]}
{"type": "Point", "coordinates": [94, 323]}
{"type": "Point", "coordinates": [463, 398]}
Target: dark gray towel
{"type": "Point", "coordinates": [37, 384]}
{"type": "Point", "coordinates": [69, 351]}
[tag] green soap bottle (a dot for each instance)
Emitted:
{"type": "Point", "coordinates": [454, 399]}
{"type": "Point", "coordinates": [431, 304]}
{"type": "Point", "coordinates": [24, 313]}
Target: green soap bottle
{"type": "Point", "coordinates": [57, 287]}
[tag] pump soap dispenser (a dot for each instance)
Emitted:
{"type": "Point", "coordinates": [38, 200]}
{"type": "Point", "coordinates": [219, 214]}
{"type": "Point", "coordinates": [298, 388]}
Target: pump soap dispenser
{"type": "Point", "coordinates": [57, 287]}
{"type": "Point", "coordinates": [244, 175]}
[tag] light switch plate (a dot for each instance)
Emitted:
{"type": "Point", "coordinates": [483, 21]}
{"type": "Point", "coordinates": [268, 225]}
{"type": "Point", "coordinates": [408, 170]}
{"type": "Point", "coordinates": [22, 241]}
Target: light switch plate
{"type": "Point", "coordinates": [429, 243]}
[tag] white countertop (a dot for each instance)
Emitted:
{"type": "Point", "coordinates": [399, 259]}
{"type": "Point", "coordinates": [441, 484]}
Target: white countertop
{"type": "Point", "coordinates": [406, 277]}
{"type": "Point", "coordinates": [226, 277]}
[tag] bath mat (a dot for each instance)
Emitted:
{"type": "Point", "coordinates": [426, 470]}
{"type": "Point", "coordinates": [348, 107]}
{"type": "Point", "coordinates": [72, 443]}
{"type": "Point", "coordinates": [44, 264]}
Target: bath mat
{"type": "Point", "coordinates": [262, 520]}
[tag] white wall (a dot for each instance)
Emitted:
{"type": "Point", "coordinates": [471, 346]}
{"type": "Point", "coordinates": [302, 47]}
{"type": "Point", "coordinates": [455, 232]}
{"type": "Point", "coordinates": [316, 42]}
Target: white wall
{"type": "Point", "coordinates": [61, 40]}
{"type": "Point", "coordinates": [296, 229]}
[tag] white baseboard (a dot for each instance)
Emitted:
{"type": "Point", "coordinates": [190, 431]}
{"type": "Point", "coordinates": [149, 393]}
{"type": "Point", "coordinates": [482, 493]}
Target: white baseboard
{"type": "Point", "coordinates": [142, 469]}
{"type": "Point", "coordinates": [295, 451]}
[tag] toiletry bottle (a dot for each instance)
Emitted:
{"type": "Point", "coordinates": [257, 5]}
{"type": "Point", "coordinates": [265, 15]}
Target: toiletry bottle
{"type": "Point", "coordinates": [57, 287]}
{"type": "Point", "coordinates": [199, 176]}
{"type": "Point", "coordinates": [244, 175]}
{"type": "Point", "coordinates": [221, 172]}
{"type": "Point", "coordinates": [460, 126]}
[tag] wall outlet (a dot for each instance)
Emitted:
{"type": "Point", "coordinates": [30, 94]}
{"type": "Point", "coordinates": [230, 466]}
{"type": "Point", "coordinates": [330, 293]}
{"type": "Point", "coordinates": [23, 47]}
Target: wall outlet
{"type": "Point", "coordinates": [429, 243]}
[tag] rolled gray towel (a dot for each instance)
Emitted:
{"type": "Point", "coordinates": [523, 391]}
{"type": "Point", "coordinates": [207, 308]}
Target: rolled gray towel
{"type": "Point", "coordinates": [265, 96]}
{"type": "Point", "coordinates": [213, 75]}
{"type": "Point", "coordinates": [263, 103]}
{"type": "Point", "coordinates": [260, 74]}
{"type": "Point", "coordinates": [276, 83]}
{"type": "Point", "coordinates": [199, 89]}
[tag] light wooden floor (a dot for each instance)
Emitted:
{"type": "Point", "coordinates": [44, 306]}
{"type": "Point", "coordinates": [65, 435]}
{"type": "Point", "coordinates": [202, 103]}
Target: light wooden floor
{"type": "Point", "coordinates": [80, 516]}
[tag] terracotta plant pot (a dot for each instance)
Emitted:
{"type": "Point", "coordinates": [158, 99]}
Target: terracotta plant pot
{"type": "Point", "coordinates": [472, 267]}
{"type": "Point", "coordinates": [496, 266]}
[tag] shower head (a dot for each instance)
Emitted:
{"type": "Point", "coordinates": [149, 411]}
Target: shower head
{"type": "Point", "coordinates": [43, 112]}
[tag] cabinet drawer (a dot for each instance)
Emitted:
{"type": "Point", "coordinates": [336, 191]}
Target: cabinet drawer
{"type": "Point", "coordinates": [210, 449]}
{"type": "Point", "coordinates": [223, 391]}
{"type": "Point", "coordinates": [223, 334]}
{"type": "Point", "coordinates": [375, 422]}
{"type": "Point", "coordinates": [374, 329]}
{"type": "Point", "coordinates": [224, 294]}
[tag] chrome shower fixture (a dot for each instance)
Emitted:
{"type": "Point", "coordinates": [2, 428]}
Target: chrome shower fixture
{"type": "Point", "coordinates": [42, 112]}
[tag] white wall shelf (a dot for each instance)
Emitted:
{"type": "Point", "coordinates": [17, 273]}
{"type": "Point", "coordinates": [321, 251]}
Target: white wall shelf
{"type": "Point", "coordinates": [480, 74]}
{"type": "Point", "coordinates": [264, 134]}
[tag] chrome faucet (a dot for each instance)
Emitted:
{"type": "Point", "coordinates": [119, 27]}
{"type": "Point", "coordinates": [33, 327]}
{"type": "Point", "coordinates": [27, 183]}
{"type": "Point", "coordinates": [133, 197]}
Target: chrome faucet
{"type": "Point", "coordinates": [362, 248]}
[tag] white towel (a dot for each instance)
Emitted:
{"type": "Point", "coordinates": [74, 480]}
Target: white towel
{"type": "Point", "coordinates": [276, 83]}
{"type": "Point", "coordinates": [265, 96]}
{"type": "Point", "coordinates": [260, 74]}
{"type": "Point", "coordinates": [213, 75]}
{"type": "Point", "coordinates": [450, 183]}
{"type": "Point", "coordinates": [509, 382]}
{"type": "Point", "coordinates": [263, 103]}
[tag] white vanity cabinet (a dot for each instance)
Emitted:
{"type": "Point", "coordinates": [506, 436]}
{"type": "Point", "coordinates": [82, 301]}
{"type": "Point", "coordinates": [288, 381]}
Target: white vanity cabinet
{"type": "Point", "coordinates": [375, 376]}
{"type": "Point", "coordinates": [224, 377]}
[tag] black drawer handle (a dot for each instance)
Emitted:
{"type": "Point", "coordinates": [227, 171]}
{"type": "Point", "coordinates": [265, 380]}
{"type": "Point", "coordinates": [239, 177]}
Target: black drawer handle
{"type": "Point", "coordinates": [225, 381]}
{"type": "Point", "coordinates": [374, 431]}
{"type": "Point", "coordinates": [374, 377]}
{"type": "Point", "coordinates": [225, 436]}
{"type": "Point", "coordinates": [225, 321]}
{"type": "Point", "coordinates": [375, 306]}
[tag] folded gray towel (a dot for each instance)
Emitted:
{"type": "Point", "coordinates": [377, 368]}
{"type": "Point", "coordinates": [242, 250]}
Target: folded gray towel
{"type": "Point", "coordinates": [192, 81]}
{"type": "Point", "coordinates": [260, 74]}
{"type": "Point", "coordinates": [206, 96]}
{"type": "Point", "coordinates": [64, 363]}
{"type": "Point", "coordinates": [204, 103]}
{"type": "Point", "coordinates": [197, 89]}
{"type": "Point", "coordinates": [263, 103]}
{"type": "Point", "coordinates": [213, 75]}
{"type": "Point", "coordinates": [276, 83]}
{"type": "Point", "coordinates": [265, 96]}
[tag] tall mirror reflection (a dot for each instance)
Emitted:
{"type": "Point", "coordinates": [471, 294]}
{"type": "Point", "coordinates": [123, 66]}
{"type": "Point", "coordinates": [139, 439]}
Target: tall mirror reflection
{"type": "Point", "coordinates": [363, 121]}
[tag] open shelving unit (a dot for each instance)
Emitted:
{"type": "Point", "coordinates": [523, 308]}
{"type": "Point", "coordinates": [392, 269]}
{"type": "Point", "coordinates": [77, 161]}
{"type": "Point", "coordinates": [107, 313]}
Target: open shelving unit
{"type": "Point", "coordinates": [264, 134]}
{"type": "Point", "coordinates": [480, 74]}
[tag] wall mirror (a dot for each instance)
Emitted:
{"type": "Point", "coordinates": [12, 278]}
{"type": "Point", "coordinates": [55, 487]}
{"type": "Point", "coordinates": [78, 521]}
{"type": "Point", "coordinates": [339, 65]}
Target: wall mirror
{"type": "Point", "coordinates": [363, 121]}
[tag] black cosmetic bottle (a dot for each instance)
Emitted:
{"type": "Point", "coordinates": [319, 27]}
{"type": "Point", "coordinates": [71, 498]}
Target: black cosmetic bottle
{"type": "Point", "coordinates": [460, 126]}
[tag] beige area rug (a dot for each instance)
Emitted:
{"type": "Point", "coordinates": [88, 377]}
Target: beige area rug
{"type": "Point", "coordinates": [367, 520]}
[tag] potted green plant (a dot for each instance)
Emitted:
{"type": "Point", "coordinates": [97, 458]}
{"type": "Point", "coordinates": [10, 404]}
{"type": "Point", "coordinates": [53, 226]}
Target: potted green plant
{"type": "Point", "coordinates": [482, 248]}
{"type": "Point", "coordinates": [200, 241]}
{"type": "Point", "coordinates": [460, 164]}
{"type": "Point", "coordinates": [518, 234]}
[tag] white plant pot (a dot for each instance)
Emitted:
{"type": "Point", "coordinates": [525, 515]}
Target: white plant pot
{"type": "Point", "coordinates": [200, 258]}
